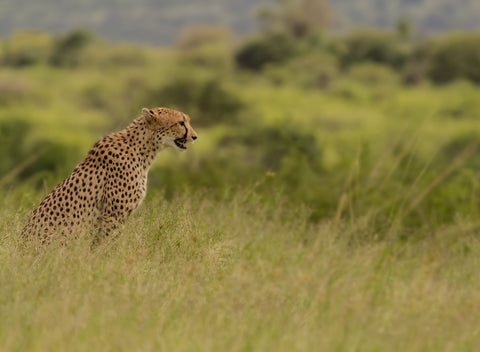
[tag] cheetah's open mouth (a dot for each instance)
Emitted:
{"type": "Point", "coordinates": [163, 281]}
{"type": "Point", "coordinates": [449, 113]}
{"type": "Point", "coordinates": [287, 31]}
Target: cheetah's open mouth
{"type": "Point", "coordinates": [180, 142]}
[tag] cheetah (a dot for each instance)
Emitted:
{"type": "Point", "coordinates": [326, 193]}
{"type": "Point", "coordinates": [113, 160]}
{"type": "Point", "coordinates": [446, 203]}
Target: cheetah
{"type": "Point", "coordinates": [111, 181]}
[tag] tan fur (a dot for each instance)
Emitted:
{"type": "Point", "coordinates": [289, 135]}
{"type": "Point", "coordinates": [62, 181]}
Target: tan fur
{"type": "Point", "coordinates": [111, 181]}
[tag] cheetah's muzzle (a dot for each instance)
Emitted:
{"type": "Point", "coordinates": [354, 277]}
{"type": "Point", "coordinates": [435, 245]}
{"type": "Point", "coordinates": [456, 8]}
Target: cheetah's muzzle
{"type": "Point", "coordinates": [180, 142]}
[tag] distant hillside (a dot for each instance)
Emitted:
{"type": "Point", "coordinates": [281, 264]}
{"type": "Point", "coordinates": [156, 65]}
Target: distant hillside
{"type": "Point", "coordinates": [159, 21]}
{"type": "Point", "coordinates": [428, 15]}
{"type": "Point", "coordinates": [153, 21]}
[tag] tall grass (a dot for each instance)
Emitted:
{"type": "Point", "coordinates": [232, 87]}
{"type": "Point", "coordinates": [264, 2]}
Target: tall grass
{"type": "Point", "coordinates": [194, 274]}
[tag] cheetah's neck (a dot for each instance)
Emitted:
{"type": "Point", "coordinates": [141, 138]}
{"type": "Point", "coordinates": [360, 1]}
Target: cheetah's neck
{"type": "Point", "coordinates": [141, 137]}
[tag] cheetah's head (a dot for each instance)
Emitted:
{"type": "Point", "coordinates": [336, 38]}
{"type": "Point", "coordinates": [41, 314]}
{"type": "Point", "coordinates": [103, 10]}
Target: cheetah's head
{"type": "Point", "coordinates": [172, 127]}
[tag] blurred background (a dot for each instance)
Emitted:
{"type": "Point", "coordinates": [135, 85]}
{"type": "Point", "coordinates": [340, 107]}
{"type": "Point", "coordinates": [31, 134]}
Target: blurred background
{"type": "Point", "coordinates": [352, 108]}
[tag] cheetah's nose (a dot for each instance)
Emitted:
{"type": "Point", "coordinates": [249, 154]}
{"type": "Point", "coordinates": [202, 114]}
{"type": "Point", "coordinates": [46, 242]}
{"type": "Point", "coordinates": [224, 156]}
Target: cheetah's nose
{"type": "Point", "coordinates": [194, 137]}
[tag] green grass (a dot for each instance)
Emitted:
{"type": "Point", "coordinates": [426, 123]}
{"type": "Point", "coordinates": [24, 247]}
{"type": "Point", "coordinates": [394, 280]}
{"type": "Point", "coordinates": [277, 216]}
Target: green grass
{"type": "Point", "coordinates": [193, 274]}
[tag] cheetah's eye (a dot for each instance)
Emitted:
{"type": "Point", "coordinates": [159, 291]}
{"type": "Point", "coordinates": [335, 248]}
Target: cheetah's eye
{"type": "Point", "coordinates": [182, 123]}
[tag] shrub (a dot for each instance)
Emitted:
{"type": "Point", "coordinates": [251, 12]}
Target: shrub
{"type": "Point", "coordinates": [311, 71]}
{"type": "Point", "coordinates": [11, 132]}
{"type": "Point", "coordinates": [180, 93]}
{"type": "Point", "coordinates": [122, 55]}
{"type": "Point", "coordinates": [217, 104]}
{"type": "Point", "coordinates": [374, 46]}
{"type": "Point", "coordinates": [462, 102]}
{"type": "Point", "coordinates": [455, 57]}
{"type": "Point", "coordinates": [24, 158]}
{"type": "Point", "coordinates": [26, 48]}
{"type": "Point", "coordinates": [96, 97]}
{"type": "Point", "coordinates": [216, 56]}
{"type": "Point", "coordinates": [269, 145]}
{"type": "Point", "coordinates": [272, 48]}
{"type": "Point", "coordinates": [54, 159]}
{"type": "Point", "coordinates": [373, 74]}
{"type": "Point", "coordinates": [67, 49]}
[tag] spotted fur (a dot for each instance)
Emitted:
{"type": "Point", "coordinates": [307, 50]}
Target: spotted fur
{"type": "Point", "coordinates": [111, 181]}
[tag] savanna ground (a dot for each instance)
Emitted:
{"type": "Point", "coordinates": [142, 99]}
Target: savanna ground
{"type": "Point", "coordinates": [323, 207]}
{"type": "Point", "coordinates": [188, 274]}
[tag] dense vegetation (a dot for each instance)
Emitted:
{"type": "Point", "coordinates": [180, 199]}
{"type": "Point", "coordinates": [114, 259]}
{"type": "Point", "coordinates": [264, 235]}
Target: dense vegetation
{"type": "Point", "coordinates": [330, 202]}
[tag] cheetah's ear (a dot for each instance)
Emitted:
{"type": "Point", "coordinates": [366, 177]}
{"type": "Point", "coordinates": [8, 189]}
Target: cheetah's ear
{"type": "Point", "coordinates": [148, 114]}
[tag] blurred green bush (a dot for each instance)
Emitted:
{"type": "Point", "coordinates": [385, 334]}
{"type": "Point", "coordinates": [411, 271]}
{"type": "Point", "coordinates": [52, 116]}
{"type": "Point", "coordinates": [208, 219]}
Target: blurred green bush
{"type": "Point", "coordinates": [271, 48]}
{"type": "Point", "coordinates": [25, 158]}
{"type": "Point", "coordinates": [66, 50]}
{"type": "Point", "coordinates": [455, 56]}
{"type": "Point", "coordinates": [26, 48]}
{"type": "Point", "coordinates": [316, 70]}
{"type": "Point", "coordinates": [371, 45]}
